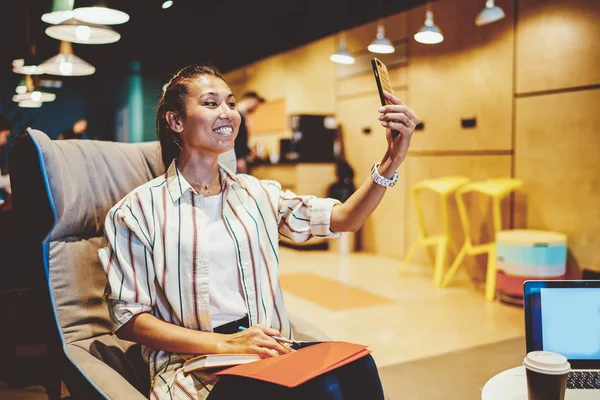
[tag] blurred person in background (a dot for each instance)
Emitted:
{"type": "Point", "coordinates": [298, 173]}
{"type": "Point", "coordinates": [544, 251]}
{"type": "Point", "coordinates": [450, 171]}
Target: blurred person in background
{"type": "Point", "coordinates": [248, 104]}
{"type": "Point", "coordinates": [78, 131]}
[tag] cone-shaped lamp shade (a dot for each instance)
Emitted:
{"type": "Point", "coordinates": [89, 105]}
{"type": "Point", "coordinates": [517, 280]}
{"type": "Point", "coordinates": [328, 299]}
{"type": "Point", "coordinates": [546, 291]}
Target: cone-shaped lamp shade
{"type": "Point", "coordinates": [381, 44]}
{"type": "Point", "coordinates": [62, 10]}
{"type": "Point", "coordinates": [76, 31]}
{"type": "Point", "coordinates": [36, 96]}
{"type": "Point", "coordinates": [489, 14]}
{"type": "Point", "coordinates": [29, 64]}
{"type": "Point", "coordinates": [21, 87]}
{"type": "Point", "coordinates": [429, 32]}
{"type": "Point", "coordinates": [30, 104]}
{"type": "Point", "coordinates": [342, 55]}
{"type": "Point", "coordinates": [65, 63]}
{"type": "Point", "coordinates": [26, 67]}
{"type": "Point", "coordinates": [100, 14]}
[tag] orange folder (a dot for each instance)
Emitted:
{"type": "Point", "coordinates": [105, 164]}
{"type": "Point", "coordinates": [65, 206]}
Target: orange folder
{"type": "Point", "coordinates": [295, 368]}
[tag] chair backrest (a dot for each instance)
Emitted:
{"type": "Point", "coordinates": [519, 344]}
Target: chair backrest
{"type": "Point", "coordinates": [62, 191]}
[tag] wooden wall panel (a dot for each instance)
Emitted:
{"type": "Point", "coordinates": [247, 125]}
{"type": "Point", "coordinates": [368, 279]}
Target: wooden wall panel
{"type": "Point", "coordinates": [557, 44]}
{"type": "Point", "coordinates": [476, 168]}
{"type": "Point", "coordinates": [362, 61]}
{"type": "Point", "coordinates": [266, 77]}
{"type": "Point", "coordinates": [270, 117]}
{"type": "Point", "coordinates": [383, 232]}
{"type": "Point", "coordinates": [309, 78]}
{"type": "Point", "coordinates": [558, 157]}
{"type": "Point", "coordinates": [364, 84]}
{"type": "Point", "coordinates": [467, 75]}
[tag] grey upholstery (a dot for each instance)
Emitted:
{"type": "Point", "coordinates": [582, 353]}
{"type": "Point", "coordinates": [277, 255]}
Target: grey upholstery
{"type": "Point", "coordinates": [62, 191]}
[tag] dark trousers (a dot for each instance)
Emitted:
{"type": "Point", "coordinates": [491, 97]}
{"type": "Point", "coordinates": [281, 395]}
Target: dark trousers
{"type": "Point", "coordinates": [358, 380]}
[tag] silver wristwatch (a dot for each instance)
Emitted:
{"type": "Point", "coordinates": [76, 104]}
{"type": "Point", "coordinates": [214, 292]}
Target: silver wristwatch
{"type": "Point", "coordinates": [382, 181]}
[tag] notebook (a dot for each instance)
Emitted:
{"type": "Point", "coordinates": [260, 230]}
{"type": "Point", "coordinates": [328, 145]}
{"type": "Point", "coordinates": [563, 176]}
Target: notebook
{"type": "Point", "coordinates": [564, 317]}
{"type": "Point", "coordinates": [207, 361]}
{"type": "Point", "coordinates": [295, 368]}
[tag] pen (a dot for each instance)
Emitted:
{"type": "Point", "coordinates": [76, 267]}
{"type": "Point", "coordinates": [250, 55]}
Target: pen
{"type": "Point", "coordinates": [278, 338]}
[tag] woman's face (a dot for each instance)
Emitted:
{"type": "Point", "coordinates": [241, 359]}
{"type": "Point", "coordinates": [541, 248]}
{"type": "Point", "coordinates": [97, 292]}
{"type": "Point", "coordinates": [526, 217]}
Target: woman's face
{"type": "Point", "coordinates": [212, 121]}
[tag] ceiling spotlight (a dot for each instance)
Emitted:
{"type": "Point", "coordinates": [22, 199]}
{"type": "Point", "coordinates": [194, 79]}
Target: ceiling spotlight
{"type": "Point", "coordinates": [167, 4]}
{"type": "Point", "coordinates": [62, 10]}
{"type": "Point", "coordinates": [429, 32]}
{"type": "Point", "coordinates": [65, 63]}
{"type": "Point", "coordinates": [100, 14]}
{"type": "Point", "coordinates": [76, 31]}
{"type": "Point", "coordinates": [489, 14]}
{"type": "Point", "coordinates": [381, 44]}
{"type": "Point", "coordinates": [342, 55]}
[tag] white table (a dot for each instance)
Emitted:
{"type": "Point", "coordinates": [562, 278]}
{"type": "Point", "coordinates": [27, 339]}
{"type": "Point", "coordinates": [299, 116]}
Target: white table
{"type": "Point", "coordinates": [507, 385]}
{"type": "Point", "coordinates": [512, 385]}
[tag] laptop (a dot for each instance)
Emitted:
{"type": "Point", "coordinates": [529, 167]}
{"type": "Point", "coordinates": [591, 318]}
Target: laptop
{"type": "Point", "coordinates": [564, 317]}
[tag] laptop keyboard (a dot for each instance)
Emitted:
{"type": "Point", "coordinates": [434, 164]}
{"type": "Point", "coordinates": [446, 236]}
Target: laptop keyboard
{"type": "Point", "coordinates": [583, 380]}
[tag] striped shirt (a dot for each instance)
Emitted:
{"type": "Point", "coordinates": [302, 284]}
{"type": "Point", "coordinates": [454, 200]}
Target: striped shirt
{"type": "Point", "coordinates": [156, 259]}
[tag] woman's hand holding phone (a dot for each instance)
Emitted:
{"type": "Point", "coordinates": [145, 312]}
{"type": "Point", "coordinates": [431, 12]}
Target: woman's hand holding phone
{"type": "Point", "coordinates": [397, 116]}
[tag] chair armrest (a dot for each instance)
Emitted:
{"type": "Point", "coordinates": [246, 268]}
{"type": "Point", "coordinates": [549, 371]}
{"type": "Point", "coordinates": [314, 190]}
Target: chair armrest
{"type": "Point", "coordinates": [108, 382]}
{"type": "Point", "coordinates": [304, 330]}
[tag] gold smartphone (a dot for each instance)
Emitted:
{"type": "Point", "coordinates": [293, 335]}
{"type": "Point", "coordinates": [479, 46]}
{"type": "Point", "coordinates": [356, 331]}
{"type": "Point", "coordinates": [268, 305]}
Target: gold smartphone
{"type": "Point", "coordinates": [382, 77]}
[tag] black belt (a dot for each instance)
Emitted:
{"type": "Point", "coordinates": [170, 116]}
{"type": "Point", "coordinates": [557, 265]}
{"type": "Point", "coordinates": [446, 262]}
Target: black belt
{"type": "Point", "coordinates": [233, 326]}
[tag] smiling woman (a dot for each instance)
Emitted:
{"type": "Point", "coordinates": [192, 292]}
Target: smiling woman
{"type": "Point", "coordinates": [192, 255]}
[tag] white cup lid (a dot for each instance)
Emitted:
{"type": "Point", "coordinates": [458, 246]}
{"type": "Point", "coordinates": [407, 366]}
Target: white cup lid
{"type": "Point", "coordinates": [546, 362]}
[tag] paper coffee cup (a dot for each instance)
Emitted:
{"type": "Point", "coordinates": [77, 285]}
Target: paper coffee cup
{"type": "Point", "coordinates": [546, 375]}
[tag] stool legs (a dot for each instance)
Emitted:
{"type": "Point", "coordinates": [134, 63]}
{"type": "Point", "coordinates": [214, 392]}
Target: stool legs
{"type": "Point", "coordinates": [455, 265]}
{"type": "Point", "coordinates": [410, 254]}
{"type": "Point", "coordinates": [440, 261]}
{"type": "Point", "coordinates": [490, 280]}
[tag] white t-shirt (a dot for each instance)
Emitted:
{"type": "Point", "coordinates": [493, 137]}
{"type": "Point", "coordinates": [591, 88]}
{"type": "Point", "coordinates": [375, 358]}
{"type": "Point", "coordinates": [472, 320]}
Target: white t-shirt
{"type": "Point", "coordinates": [224, 288]}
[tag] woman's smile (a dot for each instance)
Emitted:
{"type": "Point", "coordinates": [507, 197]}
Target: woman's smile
{"type": "Point", "coordinates": [224, 131]}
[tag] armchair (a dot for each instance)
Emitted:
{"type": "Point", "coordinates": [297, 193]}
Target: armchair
{"type": "Point", "coordinates": [62, 191]}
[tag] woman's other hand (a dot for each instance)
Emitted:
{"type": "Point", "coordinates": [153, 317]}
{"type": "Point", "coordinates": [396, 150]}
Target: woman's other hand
{"type": "Point", "coordinates": [255, 340]}
{"type": "Point", "coordinates": [400, 118]}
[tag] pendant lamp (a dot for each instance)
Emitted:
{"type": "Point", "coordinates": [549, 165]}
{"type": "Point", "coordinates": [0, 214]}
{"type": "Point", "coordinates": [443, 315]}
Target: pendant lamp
{"type": "Point", "coordinates": [62, 10]}
{"type": "Point", "coordinates": [381, 44]}
{"type": "Point", "coordinates": [76, 31]}
{"type": "Point", "coordinates": [100, 14]}
{"type": "Point", "coordinates": [28, 65]}
{"type": "Point", "coordinates": [32, 94]}
{"type": "Point", "coordinates": [30, 104]}
{"type": "Point", "coordinates": [429, 32]}
{"type": "Point", "coordinates": [65, 63]}
{"type": "Point", "coordinates": [342, 55]}
{"type": "Point", "coordinates": [489, 14]}
{"type": "Point", "coordinates": [21, 88]}
{"type": "Point", "coordinates": [167, 4]}
{"type": "Point", "coordinates": [36, 96]}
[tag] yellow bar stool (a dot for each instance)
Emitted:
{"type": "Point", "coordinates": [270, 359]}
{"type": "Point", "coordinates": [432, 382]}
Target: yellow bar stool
{"type": "Point", "coordinates": [497, 189]}
{"type": "Point", "coordinates": [444, 187]}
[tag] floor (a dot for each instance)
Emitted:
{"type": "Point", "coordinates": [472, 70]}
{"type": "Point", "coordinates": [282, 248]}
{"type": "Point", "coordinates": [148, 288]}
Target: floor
{"type": "Point", "coordinates": [360, 298]}
{"type": "Point", "coordinates": [403, 319]}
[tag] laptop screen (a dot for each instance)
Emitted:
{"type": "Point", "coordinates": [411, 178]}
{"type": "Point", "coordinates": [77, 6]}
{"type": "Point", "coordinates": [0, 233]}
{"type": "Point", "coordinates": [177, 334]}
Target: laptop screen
{"type": "Point", "coordinates": [564, 317]}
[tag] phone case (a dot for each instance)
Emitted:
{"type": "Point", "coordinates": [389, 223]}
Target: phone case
{"type": "Point", "coordinates": [382, 78]}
